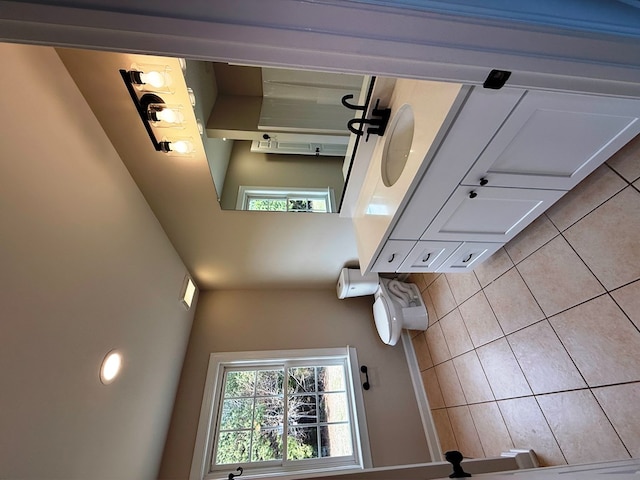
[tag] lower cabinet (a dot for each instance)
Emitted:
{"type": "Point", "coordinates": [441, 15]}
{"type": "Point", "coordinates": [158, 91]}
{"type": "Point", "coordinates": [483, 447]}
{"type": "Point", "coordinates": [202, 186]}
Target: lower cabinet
{"type": "Point", "coordinates": [507, 158]}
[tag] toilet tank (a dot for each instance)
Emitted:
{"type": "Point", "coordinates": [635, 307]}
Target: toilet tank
{"type": "Point", "coordinates": [351, 283]}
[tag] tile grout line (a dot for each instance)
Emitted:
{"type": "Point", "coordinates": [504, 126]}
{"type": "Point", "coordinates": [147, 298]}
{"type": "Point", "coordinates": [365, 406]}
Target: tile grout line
{"type": "Point", "coordinates": [610, 422]}
{"type": "Point", "coordinates": [553, 434]}
{"type": "Point", "coordinates": [620, 175]}
{"type": "Point", "coordinates": [597, 206]}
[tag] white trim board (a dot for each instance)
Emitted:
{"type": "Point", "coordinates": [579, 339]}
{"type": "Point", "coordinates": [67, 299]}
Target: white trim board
{"type": "Point", "coordinates": [421, 397]}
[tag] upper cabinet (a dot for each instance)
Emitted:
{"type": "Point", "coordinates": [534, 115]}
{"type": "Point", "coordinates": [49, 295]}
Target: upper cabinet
{"type": "Point", "coordinates": [553, 140]}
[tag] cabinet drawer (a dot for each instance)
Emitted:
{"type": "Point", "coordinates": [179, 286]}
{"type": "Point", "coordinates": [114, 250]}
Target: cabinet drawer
{"type": "Point", "coordinates": [428, 256]}
{"type": "Point", "coordinates": [392, 255]}
{"type": "Point", "coordinates": [468, 256]}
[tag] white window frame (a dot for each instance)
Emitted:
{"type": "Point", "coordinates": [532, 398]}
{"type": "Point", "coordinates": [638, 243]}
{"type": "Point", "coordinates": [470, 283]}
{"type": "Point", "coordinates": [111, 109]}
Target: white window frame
{"type": "Point", "coordinates": [203, 450]}
{"type": "Point", "coordinates": [245, 192]}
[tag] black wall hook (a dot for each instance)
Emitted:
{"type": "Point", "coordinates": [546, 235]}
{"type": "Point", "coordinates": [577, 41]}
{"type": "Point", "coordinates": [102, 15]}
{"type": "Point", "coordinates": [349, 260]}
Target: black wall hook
{"type": "Point", "coordinates": [366, 384]}
{"type": "Point", "coordinates": [234, 475]}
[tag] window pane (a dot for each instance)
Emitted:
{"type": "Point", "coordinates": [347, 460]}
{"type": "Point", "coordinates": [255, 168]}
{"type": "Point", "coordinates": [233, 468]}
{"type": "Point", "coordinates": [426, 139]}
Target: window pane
{"type": "Point", "coordinates": [333, 407]}
{"type": "Point", "coordinates": [331, 378]}
{"type": "Point", "coordinates": [318, 205]}
{"type": "Point", "coordinates": [239, 384]}
{"type": "Point", "coordinates": [302, 409]}
{"type": "Point", "coordinates": [302, 379]}
{"type": "Point", "coordinates": [233, 447]}
{"type": "Point", "coordinates": [336, 440]}
{"type": "Point", "coordinates": [267, 445]}
{"type": "Point", "coordinates": [236, 413]}
{"type": "Point", "coordinates": [269, 412]}
{"type": "Point", "coordinates": [267, 204]}
{"type": "Point", "coordinates": [270, 382]}
{"type": "Point", "coordinates": [302, 443]}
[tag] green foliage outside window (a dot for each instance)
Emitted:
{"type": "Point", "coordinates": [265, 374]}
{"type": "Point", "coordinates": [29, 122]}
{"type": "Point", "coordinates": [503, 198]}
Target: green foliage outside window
{"type": "Point", "coordinates": [252, 416]}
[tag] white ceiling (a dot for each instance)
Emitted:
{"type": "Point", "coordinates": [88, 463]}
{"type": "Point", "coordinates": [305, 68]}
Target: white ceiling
{"type": "Point", "coordinates": [222, 249]}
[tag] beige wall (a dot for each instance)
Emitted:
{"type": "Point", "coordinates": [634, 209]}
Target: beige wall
{"type": "Point", "coordinates": [242, 320]}
{"type": "Point", "coordinates": [275, 170]}
{"type": "Point", "coordinates": [85, 268]}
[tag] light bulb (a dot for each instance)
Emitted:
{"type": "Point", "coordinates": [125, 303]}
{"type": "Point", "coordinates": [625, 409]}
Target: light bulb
{"type": "Point", "coordinates": [170, 115]}
{"type": "Point", "coordinates": [192, 96]}
{"type": "Point", "coordinates": [181, 146]}
{"type": "Point", "coordinates": [155, 79]}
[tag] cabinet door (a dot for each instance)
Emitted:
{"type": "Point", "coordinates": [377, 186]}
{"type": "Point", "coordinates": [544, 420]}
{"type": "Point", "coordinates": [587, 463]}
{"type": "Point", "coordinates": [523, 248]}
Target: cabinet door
{"type": "Point", "coordinates": [392, 255]}
{"type": "Point", "coordinates": [468, 256]}
{"type": "Point", "coordinates": [553, 140]}
{"type": "Point", "coordinates": [488, 214]}
{"type": "Point", "coordinates": [427, 256]}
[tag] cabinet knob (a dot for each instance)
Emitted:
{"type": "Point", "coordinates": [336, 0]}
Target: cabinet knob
{"type": "Point", "coordinates": [426, 259]}
{"type": "Point", "coordinates": [473, 195]}
{"type": "Point", "coordinates": [483, 182]}
{"type": "Point", "coordinates": [466, 260]}
{"type": "Point", "coordinates": [393, 255]}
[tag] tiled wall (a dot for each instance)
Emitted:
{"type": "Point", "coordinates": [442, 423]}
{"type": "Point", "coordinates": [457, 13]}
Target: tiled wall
{"type": "Point", "coordinates": [540, 346]}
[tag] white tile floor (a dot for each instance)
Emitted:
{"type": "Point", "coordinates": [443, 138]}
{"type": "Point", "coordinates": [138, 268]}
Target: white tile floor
{"type": "Point", "coordinates": [540, 346]}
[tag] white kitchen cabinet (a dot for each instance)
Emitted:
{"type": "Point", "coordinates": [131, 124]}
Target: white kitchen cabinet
{"type": "Point", "coordinates": [468, 256]}
{"type": "Point", "coordinates": [392, 255]}
{"type": "Point", "coordinates": [553, 140]}
{"type": "Point", "coordinates": [488, 214]}
{"type": "Point", "coordinates": [428, 256]}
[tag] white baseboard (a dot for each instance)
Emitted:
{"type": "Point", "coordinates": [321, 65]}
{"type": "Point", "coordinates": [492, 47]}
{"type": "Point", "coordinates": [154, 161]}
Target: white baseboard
{"type": "Point", "coordinates": [421, 397]}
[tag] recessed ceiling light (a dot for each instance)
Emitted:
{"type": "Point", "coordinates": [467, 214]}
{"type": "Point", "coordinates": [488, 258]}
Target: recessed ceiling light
{"type": "Point", "coordinates": [110, 367]}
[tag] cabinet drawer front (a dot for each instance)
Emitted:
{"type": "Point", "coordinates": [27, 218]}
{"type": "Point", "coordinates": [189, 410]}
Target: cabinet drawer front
{"type": "Point", "coordinates": [392, 255]}
{"type": "Point", "coordinates": [428, 256]}
{"type": "Point", "coordinates": [488, 214]}
{"type": "Point", "coordinates": [468, 256]}
{"type": "Point", "coordinates": [553, 140]}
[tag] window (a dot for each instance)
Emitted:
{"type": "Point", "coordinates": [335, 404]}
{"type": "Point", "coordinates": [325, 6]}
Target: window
{"type": "Point", "coordinates": [281, 414]}
{"type": "Point", "coordinates": [316, 200]}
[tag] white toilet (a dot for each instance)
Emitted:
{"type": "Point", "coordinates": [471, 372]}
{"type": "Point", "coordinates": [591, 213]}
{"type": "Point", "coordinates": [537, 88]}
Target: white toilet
{"type": "Point", "coordinates": [397, 304]}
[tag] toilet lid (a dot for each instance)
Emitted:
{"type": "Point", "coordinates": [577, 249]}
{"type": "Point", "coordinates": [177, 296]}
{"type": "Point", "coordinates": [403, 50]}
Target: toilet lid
{"type": "Point", "coordinates": [385, 321]}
